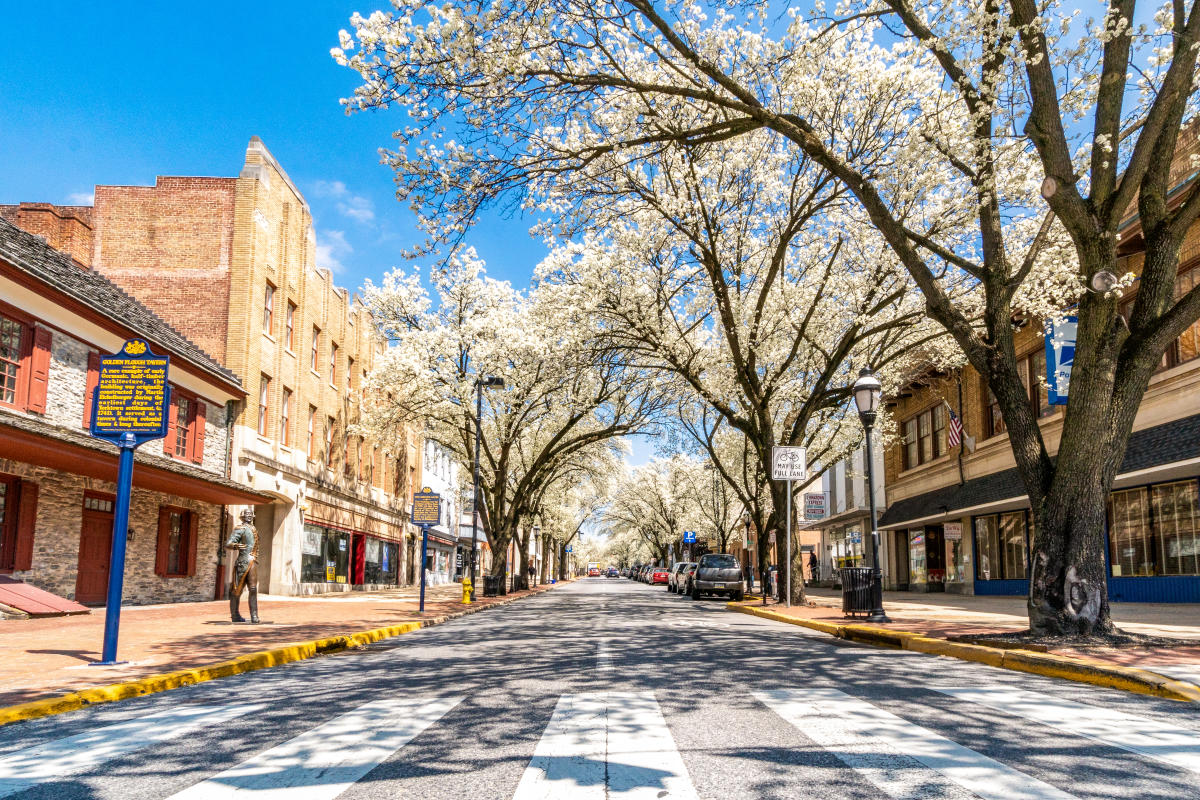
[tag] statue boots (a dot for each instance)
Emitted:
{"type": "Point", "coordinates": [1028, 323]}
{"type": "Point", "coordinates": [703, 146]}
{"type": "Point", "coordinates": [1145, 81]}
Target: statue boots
{"type": "Point", "coordinates": [254, 605]}
{"type": "Point", "coordinates": [235, 615]}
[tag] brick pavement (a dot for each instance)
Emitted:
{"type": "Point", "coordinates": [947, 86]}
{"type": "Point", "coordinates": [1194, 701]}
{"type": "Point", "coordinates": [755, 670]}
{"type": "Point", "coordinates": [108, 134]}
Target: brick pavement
{"type": "Point", "coordinates": [47, 657]}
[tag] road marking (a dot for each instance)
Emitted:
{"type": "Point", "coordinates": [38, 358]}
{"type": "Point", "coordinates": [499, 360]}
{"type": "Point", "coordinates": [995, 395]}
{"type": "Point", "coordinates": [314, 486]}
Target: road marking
{"type": "Point", "coordinates": [876, 744]}
{"type": "Point", "coordinates": [1160, 741]}
{"type": "Point", "coordinates": [603, 656]}
{"type": "Point", "coordinates": [608, 745]}
{"type": "Point", "coordinates": [327, 760]}
{"type": "Point", "coordinates": [86, 751]}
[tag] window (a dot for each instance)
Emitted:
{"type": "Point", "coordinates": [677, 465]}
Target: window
{"type": "Point", "coordinates": [24, 362]}
{"type": "Point", "coordinates": [1002, 547]}
{"type": "Point", "coordinates": [13, 336]}
{"type": "Point", "coordinates": [285, 416]}
{"type": "Point", "coordinates": [329, 423]}
{"type": "Point", "coordinates": [1155, 530]}
{"type": "Point", "coordinates": [176, 550]}
{"type": "Point", "coordinates": [1032, 371]}
{"type": "Point", "coordinates": [924, 437]}
{"type": "Point", "coordinates": [185, 427]}
{"type": "Point", "coordinates": [1187, 346]}
{"type": "Point", "coordinates": [268, 309]}
{"type": "Point", "coordinates": [264, 400]}
{"type": "Point", "coordinates": [333, 354]}
{"type": "Point", "coordinates": [312, 433]}
{"type": "Point", "coordinates": [289, 334]}
{"type": "Point", "coordinates": [316, 349]}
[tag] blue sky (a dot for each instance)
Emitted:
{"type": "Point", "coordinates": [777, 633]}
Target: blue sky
{"type": "Point", "coordinates": [128, 91]}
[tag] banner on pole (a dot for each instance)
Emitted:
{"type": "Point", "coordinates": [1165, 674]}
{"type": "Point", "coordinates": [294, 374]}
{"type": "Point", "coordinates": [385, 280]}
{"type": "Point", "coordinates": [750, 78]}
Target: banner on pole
{"type": "Point", "coordinates": [788, 464]}
{"type": "Point", "coordinates": [1060, 357]}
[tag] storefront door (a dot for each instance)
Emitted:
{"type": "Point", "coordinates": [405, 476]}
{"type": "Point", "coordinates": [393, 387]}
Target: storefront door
{"type": "Point", "coordinates": [95, 550]}
{"type": "Point", "coordinates": [935, 557]}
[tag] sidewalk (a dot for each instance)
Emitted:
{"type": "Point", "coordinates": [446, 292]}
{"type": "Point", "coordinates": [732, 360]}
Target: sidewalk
{"type": "Point", "coordinates": [951, 615]}
{"type": "Point", "coordinates": [49, 657]}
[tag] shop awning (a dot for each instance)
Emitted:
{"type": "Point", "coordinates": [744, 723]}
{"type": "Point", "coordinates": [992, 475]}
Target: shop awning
{"type": "Point", "coordinates": [1164, 452]}
{"type": "Point", "coordinates": [35, 442]}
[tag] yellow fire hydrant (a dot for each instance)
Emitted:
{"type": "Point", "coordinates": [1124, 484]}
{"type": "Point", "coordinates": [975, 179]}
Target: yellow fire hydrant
{"type": "Point", "coordinates": [466, 591]}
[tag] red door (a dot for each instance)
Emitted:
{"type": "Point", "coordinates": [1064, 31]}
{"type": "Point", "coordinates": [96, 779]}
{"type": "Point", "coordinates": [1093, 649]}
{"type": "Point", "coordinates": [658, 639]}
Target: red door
{"type": "Point", "coordinates": [95, 549]}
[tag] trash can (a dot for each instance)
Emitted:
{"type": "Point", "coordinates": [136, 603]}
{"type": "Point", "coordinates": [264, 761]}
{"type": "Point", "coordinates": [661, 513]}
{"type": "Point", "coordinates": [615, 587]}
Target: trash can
{"type": "Point", "coordinates": [491, 585]}
{"type": "Point", "coordinates": [856, 590]}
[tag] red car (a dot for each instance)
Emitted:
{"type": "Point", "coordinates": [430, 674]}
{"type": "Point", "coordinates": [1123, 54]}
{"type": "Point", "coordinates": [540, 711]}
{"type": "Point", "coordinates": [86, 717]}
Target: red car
{"type": "Point", "coordinates": [594, 572]}
{"type": "Point", "coordinates": [659, 575]}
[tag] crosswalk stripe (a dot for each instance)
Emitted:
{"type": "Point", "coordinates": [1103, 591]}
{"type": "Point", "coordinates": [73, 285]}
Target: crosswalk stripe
{"type": "Point", "coordinates": [607, 745]}
{"type": "Point", "coordinates": [1161, 741]}
{"type": "Point", "coordinates": [327, 760]}
{"type": "Point", "coordinates": [85, 751]}
{"type": "Point", "coordinates": [870, 740]}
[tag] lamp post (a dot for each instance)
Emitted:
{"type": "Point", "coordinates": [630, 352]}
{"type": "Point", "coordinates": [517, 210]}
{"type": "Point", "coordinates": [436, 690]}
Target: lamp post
{"type": "Point", "coordinates": [867, 392]}
{"type": "Point", "coordinates": [479, 384]}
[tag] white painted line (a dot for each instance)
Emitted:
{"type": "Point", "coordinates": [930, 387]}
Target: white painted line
{"type": "Point", "coordinates": [610, 745]}
{"type": "Point", "coordinates": [603, 656]}
{"type": "Point", "coordinates": [87, 751]}
{"type": "Point", "coordinates": [1160, 741]}
{"type": "Point", "coordinates": [875, 743]}
{"type": "Point", "coordinates": [327, 760]}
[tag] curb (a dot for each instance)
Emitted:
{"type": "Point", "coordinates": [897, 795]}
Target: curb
{"type": "Point", "coordinates": [263, 659]}
{"type": "Point", "coordinates": [1129, 679]}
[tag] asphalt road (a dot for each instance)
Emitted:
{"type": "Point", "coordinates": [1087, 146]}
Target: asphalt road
{"type": "Point", "coordinates": [610, 689]}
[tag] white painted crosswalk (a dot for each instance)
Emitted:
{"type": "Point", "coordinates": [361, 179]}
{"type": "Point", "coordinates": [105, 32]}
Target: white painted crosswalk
{"type": "Point", "coordinates": [878, 745]}
{"type": "Point", "coordinates": [327, 760]}
{"type": "Point", "coordinates": [606, 745]}
{"type": "Point", "coordinates": [618, 745]}
{"type": "Point", "coordinates": [87, 751]}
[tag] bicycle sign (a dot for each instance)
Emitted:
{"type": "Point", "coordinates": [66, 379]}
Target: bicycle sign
{"type": "Point", "coordinates": [788, 464]}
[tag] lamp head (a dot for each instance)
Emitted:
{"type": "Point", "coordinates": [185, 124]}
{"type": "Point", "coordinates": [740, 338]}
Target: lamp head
{"type": "Point", "coordinates": [867, 392]}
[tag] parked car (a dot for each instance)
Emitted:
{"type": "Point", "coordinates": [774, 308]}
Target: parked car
{"type": "Point", "coordinates": [646, 571]}
{"type": "Point", "coordinates": [593, 572]}
{"type": "Point", "coordinates": [718, 573]}
{"type": "Point", "coordinates": [678, 578]}
{"type": "Point", "coordinates": [659, 575]}
{"type": "Point", "coordinates": [612, 572]}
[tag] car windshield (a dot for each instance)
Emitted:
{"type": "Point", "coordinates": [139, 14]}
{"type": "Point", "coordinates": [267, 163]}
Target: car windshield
{"type": "Point", "coordinates": [718, 562]}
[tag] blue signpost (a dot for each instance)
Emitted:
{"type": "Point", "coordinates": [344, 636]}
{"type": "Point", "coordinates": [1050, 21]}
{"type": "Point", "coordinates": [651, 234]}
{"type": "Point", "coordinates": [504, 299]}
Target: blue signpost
{"type": "Point", "coordinates": [426, 511]}
{"type": "Point", "coordinates": [689, 537]}
{"type": "Point", "coordinates": [129, 408]}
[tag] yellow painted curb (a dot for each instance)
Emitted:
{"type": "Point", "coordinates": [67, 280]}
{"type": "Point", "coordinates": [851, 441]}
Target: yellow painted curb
{"type": "Point", "coordinates": [250, 662]}
{"type": "Point", "coordinates": [1129, 679]}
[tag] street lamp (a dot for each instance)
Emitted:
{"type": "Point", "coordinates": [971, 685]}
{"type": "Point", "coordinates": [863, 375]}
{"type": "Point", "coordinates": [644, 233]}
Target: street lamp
{"type": "Point", "coordinates": [867, 392]}
{"type": "Point", "coordinates": [490, 381]}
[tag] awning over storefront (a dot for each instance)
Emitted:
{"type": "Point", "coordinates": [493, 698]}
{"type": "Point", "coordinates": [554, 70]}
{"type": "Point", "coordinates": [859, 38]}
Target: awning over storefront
{"type": "Point", "coordinates": [35, 442]}
{"type": "Point", "coordinates": [1159, 453]}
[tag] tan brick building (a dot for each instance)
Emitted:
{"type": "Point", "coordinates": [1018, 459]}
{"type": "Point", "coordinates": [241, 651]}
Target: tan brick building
{"type": "Point", "coordinates": [230, 262]}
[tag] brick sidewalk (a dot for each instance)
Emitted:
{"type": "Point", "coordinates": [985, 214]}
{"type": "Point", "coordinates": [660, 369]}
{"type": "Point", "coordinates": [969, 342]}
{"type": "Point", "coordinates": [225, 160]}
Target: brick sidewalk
{"type": "Point", "coordinates": [47, 657]}
{"type": "Point", "coordinates": [947, 615]}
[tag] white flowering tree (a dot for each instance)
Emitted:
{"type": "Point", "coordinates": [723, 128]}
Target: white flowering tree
{"type": "Point", "coordinates": [1003, 141]}
{"type": "Point", "coordinates": [572, 499]}
{"type": "Point", "coordinates": [656, 502]}
{"type": "Point", "coordinates": [563, 398]}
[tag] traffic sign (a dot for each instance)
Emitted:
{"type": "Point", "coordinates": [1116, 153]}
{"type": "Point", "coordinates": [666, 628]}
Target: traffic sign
{"type": "Point", "coordinates": [427, 507]}
{"type": "Point", "coordinates": [570, 548]}
{"type": "Point", "coordinates": [788, 464]}
{"type": "Point", "coordinates": [689, 537]}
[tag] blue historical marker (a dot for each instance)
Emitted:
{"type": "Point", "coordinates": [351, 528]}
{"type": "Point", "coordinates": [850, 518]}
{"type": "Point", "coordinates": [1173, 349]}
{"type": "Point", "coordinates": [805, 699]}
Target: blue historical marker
{"type": "Point", "coordinates": [689, 537]}
{"type": "Point", "coordinates": [129, 408]}
{"type": "Point", "coordinates": [426, 511]}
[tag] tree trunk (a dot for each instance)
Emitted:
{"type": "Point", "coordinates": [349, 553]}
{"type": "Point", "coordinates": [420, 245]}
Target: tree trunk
{"type": "Point", "coordinates": [562, 562]}
{"type": "Point", "coordinates": [778, 520]}
{"type": "Point", "coordinates": [521, 563]}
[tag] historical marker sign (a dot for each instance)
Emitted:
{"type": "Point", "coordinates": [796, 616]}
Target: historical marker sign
{"type": "Point", "coordinates": [788, 464]}
{"type": "Point", "coordinates": [427, 507]}
{"type": "Point", "coordinates": [132, 394]}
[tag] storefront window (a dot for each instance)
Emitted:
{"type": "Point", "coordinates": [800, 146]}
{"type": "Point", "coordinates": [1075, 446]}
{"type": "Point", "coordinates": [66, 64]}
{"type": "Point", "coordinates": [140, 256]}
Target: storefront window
{"type": "Point", "coordinates": [987, 549]}
{"type": "Point", "coordinates": [916, 556]}
{"type": "Point", "coordinates": [325, 555]}
{"type": "Point", "coordinates": [381, 562]}
{"type": "Point", "coordinates": [955, 553]}
{"type": "Point", "coordinates": [1177, 523]}
{"type": "Point", "coordinates": [1131, 551]}
{"type": "Point", "coordinates": [1155, 530]}
{"type": "Point", "coordinates": [1016, 545]}
{"type": "Point", "coordinates": [847, 546]}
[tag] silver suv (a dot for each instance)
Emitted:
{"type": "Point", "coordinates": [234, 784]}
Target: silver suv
{"type": "Point", "coordinates": [677, 581]}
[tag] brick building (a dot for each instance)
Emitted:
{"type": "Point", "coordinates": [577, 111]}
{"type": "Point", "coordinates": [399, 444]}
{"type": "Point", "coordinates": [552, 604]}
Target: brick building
{"type": "Point", "coordinates": [56, 481]}
{"type": "Point", "coordinates": [231, 262]}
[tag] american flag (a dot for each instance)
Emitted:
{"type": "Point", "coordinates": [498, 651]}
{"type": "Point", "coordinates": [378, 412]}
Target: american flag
{"type": "Point", "coordinates": [956, 429]}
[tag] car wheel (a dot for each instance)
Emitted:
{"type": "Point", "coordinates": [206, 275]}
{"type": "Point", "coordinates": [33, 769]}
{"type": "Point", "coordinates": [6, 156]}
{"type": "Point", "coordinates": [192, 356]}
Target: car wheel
{"type": "Point", "coordinates": [737, 597]}
{"type": "Point", "coordinates": [695, 593]}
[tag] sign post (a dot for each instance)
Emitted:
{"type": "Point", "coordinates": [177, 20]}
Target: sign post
{"type": "Point", "coordinates": [426, 511]}
{"type": "Point", "coordinates": [129, 408]}
{"type": "Point", "coordinates": [788, 464]}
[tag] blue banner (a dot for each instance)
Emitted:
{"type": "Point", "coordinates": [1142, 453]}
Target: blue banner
{"type": "Point", "coordinates": [1060, 357]}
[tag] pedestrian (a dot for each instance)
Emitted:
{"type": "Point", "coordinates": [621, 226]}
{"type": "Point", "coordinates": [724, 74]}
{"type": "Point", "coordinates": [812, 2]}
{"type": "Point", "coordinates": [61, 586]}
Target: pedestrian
{"type": "Point", "coordinates": [532, 574]}
{"type": "Point", "coordinates": [814, 568]}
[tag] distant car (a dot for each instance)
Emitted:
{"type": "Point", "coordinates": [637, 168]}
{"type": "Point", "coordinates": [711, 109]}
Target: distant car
{"type": "Point", "coordinates": [612, 572]}
{"type": "Point", "coordinates": [659, 575]}
{"type": "Point", "coordinates": [679, 575]}
{"type": "Point", "coordinates": [718, 573]}
{"type": "Point", "coordinates": [594, 572]}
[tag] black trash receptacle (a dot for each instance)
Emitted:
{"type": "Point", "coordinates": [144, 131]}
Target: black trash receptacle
{"type": "Point", "coordinates": [856, 590]}
{"type": "Point", "coordinates": [491, 586]}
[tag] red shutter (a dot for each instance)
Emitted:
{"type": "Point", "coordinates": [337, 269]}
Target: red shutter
{"type": "Point", "coordinates": [26, 524]}
{"type": "Point", "coordinates": [193, 528]}
{"type": "Point", "coordinates": [169, 440]}
{"type": "Point", "coordinates": [197, 433]}
{"type": "Point", "coordinates": [93, 379]}
{"type": "Point", "coordinates": [164, 531]}
{"type": "Point", "coordinates": [39, 370]}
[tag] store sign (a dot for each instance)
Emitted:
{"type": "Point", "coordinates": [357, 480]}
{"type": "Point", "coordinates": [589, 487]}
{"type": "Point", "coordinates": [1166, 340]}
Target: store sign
{"type": "Point", "coordinates": [816, 505]}
{"type": "Point", "coordinates": [788, 464]}
{"type": "Point", "coordinates": [427, 507]}
{"type": "Point", "coordinates": [1060, 357]}
{"type": "Point", "coordinates": [952, 530]}
{"type": "Point", "coordinates": [132, 395]}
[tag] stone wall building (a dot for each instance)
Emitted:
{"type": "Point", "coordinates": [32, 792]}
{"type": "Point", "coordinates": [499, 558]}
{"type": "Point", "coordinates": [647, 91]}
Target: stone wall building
{"type": "Point", "coordinates": [231, 263]}
{"type": "Point", "coordinates": [57, 482]}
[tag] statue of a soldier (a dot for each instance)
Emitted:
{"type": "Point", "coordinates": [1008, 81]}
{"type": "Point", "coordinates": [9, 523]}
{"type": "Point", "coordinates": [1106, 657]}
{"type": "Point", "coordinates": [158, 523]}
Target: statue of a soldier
{"type": "Point", "coordinates": [244, 539]}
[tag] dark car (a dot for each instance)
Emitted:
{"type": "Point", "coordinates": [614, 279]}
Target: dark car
{"type": "Point", "coordinates": [612, 573]}
{"type": "Point", "coordinates": [718, 573]}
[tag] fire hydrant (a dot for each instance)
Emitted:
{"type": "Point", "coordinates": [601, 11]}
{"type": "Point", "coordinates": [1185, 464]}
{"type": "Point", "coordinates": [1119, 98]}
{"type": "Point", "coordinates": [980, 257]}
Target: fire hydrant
{"type": "Point", "coordinates": [466, 584]}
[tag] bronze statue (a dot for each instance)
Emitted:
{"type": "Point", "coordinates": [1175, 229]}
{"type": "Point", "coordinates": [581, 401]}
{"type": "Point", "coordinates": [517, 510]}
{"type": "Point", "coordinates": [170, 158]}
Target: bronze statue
{"type": "Point", "coordinates": [244, 539]}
